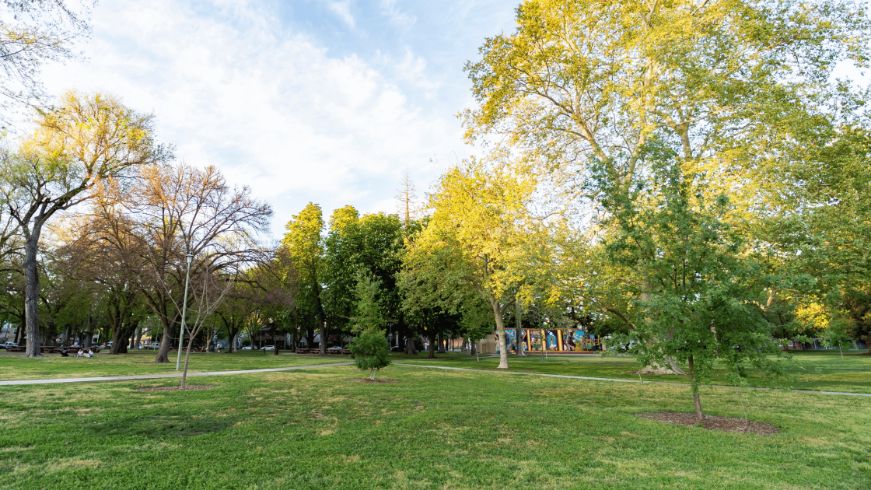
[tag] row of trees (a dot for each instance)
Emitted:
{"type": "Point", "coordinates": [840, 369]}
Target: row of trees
{"type": "Point", "coordinates": [124, 226]}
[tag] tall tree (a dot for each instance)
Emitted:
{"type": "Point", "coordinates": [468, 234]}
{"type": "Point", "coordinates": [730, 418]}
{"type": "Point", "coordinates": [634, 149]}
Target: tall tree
{"type": "Point", "coordinates": [482, 211]}
{"type": "Point", "coordinates": [304, 244]}
{"type": "Point", "coordinates": [84, 141]}
{"type": "Point", "coordinates": [340, 265]}
{"type": "Point", "coordinates": [181, 211]}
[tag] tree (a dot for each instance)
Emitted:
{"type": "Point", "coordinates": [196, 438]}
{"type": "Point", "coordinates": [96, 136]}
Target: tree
{"type": "Point", "coordinates": [76, 146]}
{"type": "Point", "coordinates": [439, 293]}
{"type": "Point", "coordinates": [370, 351]}
{"type": "Point", "coordinates": [482, 213]}
{"type": "Point", "coordinates": [368, 312]}
{"type": "Point", "coordinates": [699, 290]}
{"type": "Point", "coordinates": [305, 249]}
{"type": "Point", "coordinates": [340, 265]}
{"type": "Point", "coordinates": [210, 286]}
{"type": "Point", "coordinates": [180, 210]}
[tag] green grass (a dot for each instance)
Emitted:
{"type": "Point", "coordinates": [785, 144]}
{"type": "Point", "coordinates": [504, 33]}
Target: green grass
{"type": "Point", "coordinates": [804, 370]}
{"type": "Point", "coordinates": [16, 366]}
{"type": "Point", "coordinates": [427, 429]}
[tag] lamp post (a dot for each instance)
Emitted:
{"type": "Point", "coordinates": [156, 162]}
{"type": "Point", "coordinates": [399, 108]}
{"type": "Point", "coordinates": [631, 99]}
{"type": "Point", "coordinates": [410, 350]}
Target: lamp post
{"type": "Point", "coordinates": [184, 308]}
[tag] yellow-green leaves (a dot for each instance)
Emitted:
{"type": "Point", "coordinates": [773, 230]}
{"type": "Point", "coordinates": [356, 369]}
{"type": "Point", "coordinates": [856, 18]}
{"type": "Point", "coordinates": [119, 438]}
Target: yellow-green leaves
{"type": "Point", "coordinates": [482, 210]}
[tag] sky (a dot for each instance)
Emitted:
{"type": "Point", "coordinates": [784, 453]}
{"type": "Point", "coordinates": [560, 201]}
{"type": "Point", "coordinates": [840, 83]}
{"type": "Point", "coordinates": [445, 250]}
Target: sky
{"type": "Point", "coordinates": [329, 101]}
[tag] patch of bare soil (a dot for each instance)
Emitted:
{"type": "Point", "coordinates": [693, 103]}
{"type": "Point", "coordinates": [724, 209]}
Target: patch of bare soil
{"type": "Point", "coordinates": [175, 388]}
{"type": "Point", "coordinates": [374, 381]}
{"type": "Point", "coordinates": [725, 424]}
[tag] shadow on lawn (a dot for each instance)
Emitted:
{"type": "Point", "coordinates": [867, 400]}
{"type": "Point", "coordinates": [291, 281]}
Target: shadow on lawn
{"type": "Point", "coordinates": [159, 426]}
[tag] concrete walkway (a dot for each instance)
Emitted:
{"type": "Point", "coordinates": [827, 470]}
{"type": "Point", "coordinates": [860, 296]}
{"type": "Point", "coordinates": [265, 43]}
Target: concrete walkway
{"type": "Point", "coordinates": [625, 380]}
{"type": "Point", "coordinates": [198, 374]}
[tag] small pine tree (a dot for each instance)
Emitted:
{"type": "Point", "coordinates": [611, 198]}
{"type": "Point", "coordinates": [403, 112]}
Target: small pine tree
{"type": "Point", "coordinates": [367, 310]}
{"type": "Point", "coordinates": [370, 351]}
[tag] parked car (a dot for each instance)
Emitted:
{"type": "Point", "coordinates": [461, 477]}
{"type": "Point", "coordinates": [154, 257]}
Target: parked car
{"type": "Point", "coordinates": [335, 349]}
{"type": "Point", "coordinates": [268, 348]}
{"type": "Point", "coordinates": [8, 345]}
{"type": "Point", "coordinates": [247, 347]}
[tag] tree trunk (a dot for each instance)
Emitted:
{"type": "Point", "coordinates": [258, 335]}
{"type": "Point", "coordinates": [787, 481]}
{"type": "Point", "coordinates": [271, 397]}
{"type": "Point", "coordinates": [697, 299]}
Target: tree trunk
{"type": "Point", "coordinates": [232, 340]}
{"type": "Point", "coordinates": [31, 295]}
{"type": "Point", "coordinates": [165, 344]}
{"type": "Point", "coordinates": [120, 338]}
{"type": "Point", "coordinates": [500, 334]}
{"type": "Point", "coordinates": [697, 400]}
{"type": "Point", "coordinates": [518, 329]}
{"type": "Point", "coordinates": [409, 345]}
{"type": "Point", "coordinates": [430, 349]}
{"type": "Point", "coordinates": [187, 360]}
{"type": "Point", "coordinates": [323, 342]}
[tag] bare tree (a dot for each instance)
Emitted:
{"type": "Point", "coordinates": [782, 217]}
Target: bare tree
{"type": "Point", "coordinates": [179, 210]}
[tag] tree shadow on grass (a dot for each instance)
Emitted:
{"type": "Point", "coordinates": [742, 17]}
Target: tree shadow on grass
{"type": "Point", "coordinates": [162, 425]}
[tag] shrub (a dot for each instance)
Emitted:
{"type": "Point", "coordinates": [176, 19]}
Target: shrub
{"type": "Point", "coordinates": [370, 351]}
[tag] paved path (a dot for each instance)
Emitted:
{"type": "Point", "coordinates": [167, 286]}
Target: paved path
{"type": "Point", "coordinates": [197, 374]}
{"type": "Point", "coordinates": [94, 379]}
{"type": "Point", "coordinates": [624, 380]}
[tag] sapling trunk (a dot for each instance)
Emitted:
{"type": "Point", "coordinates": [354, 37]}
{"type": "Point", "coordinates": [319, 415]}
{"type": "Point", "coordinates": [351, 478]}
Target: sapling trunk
{"type": "Point", "coordinates": [697, 400]}
{"type": "Point", "coordinates": [187, 359]}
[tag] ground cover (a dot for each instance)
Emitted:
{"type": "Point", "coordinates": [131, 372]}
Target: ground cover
{"type": "Point", "coordinates": [16, 366]}
{"type": "Point", "coordinates": [802, 370]}
{"type": "Point", "coordinates": [426, 429]}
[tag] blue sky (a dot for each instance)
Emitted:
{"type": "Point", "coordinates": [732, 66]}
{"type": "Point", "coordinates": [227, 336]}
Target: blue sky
{"type": "Point", "coordinates": [330, 101]}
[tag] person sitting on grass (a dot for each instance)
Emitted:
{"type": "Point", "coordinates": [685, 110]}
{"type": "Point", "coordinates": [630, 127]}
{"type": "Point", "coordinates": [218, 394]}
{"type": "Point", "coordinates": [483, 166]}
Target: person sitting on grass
{"type": "Point", "coordinates": [89, 354]}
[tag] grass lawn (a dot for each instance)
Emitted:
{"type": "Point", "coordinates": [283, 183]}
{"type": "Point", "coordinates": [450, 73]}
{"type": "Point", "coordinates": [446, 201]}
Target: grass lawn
{"type": "Point", "coordinates": [13, 365]}
{"type": "Point", "coordinates": [802, 370]}
{"type": "Point", "coordinates": [426, 429]}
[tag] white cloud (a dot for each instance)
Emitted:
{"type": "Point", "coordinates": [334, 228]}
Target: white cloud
{"type": "Point", "coordinates": [342, 9]}
{"type": "Point", "coordinates": [271, 108]}
{"type": "Point", "coordinates": [396, 16]}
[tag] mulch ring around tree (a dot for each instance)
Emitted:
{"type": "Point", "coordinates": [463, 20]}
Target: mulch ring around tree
{"type": "Point", "coordinates": [724, 424]}
{"type": "Point", "coordinates": [174, 388]}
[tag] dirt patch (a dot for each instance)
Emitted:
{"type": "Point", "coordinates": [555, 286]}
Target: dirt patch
{"type": "Point", "coordinates": [725, 424]}
{"type": "Point", "coordinates": [175, 388]}
{"type": "Point", "coordinates": [376, 381]}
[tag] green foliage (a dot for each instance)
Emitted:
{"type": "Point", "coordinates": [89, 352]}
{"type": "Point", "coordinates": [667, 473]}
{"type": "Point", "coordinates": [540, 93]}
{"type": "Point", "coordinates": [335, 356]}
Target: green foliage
{"type": "Point", "coordinates": [305, 249]}
{"type": "Point", "coordinates": [368, 312]}
{"type": "Point", "coordinates": [370, 351]}
{"type": "Point", "coordinates": [698, 289]}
